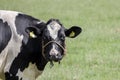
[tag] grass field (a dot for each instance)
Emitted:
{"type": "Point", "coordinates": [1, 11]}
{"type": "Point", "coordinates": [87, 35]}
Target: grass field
{"type": "Point", "coordinates": [95, 54]}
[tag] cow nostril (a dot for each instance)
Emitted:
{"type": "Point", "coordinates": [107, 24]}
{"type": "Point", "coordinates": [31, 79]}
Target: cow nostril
{"type": "Point", "coordinates": [58, 56]}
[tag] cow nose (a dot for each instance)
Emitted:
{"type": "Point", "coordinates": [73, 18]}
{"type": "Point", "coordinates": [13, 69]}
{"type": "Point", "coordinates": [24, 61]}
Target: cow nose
{"type": "Point", "coordinates": [55, 55]}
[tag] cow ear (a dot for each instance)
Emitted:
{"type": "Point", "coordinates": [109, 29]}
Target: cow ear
{"type": "Point", "coordinates": [33, 32]}
{"type": "Point", "coordinates": [73, 31]}
{"type": "Point", "coordinates": [36, 30]}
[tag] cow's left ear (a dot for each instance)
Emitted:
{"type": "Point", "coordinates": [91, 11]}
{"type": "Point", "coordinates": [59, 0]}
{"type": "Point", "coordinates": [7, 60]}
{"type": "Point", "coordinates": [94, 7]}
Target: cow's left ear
{"type": "Point", "coordinates": [73, 31]}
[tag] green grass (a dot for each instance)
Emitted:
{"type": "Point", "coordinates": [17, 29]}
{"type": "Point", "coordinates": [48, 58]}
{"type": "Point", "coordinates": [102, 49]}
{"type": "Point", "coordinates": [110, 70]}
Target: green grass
{"type": "Point", "coordinates": [95, 54]}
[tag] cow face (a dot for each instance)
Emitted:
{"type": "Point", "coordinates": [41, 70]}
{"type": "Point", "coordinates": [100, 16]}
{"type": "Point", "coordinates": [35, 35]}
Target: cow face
{"type": "Point", "coordinates": [53, 38]}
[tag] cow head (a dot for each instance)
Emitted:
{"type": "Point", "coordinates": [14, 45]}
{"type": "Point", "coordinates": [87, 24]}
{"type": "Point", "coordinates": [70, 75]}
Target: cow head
{"type": "Point", "coordinates": [53, 36]}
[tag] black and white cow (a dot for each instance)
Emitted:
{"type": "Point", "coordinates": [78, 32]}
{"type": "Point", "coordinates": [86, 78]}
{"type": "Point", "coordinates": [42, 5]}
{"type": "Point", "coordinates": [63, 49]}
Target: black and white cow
{"type": "Point", "coordinates": [28, 44]}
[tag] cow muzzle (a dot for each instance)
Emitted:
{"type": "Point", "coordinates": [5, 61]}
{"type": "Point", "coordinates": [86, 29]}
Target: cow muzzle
{"type": "Point", "coordinates": [54, 54]}
{"type": "Point", "coordinates": [56, 58]}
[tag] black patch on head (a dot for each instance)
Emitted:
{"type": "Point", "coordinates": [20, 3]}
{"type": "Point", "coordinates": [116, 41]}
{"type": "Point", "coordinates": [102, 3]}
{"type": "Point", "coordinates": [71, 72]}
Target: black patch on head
{"type": "Point", "coordinates": [56, 20]}
{"type": "Point", "coordinates": [5, 34]}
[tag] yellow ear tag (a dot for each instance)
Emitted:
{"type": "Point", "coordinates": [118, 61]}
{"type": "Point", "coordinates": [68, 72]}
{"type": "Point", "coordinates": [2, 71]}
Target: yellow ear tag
{"type": "Point", "coordinates": [32, 35]}
{"type": "Point", "coordinates": [72, 34]}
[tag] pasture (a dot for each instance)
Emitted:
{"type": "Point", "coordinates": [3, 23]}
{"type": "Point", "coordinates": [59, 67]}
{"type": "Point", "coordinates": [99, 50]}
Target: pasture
{"type": "Point", "coordinates": [95, 54]}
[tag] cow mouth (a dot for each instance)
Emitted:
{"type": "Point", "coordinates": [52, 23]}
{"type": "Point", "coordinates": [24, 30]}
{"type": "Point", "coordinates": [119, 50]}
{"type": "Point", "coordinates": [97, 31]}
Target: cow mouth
{"type": "Point", "coordinates": [53, 59]}
{"type": "Point", "coordinates": [52, 63]}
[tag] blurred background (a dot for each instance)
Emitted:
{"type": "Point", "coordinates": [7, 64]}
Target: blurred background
{"type": "Point", "coordinates": [95, 53]}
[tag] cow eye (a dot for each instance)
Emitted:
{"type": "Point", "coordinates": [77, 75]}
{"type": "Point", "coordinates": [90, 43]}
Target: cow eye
{"type": "Point", "coordinates": [62, 38]}
{"type": "Point", "coordinates": [45, 38]}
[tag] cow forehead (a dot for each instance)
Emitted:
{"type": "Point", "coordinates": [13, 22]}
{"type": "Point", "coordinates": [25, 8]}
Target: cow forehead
{"type": "Point", "coordinates": [53, 29]}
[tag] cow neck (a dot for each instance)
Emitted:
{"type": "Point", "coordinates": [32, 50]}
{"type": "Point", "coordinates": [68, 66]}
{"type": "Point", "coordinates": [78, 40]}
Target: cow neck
{"type": "Point", "coordinates": [42, 63]}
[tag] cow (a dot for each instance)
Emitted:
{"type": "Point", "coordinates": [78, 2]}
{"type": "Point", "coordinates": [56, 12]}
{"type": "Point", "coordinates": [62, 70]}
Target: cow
{"type": "Point", "coordinates": [27, 44]}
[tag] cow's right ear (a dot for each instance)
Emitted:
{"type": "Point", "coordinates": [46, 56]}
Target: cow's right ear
{"type": "Point", "coordinates": [33, 32]}
{"type": "Point", "coordinates": [36, 30]}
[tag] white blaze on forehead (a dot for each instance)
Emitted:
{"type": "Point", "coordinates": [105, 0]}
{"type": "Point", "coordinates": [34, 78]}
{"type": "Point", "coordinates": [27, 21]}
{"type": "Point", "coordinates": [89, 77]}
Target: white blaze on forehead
{"type": "Point", "coordinates": [53, 28]}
